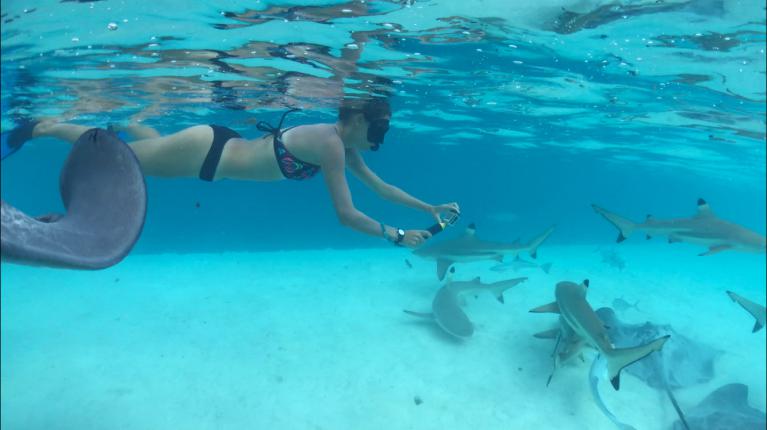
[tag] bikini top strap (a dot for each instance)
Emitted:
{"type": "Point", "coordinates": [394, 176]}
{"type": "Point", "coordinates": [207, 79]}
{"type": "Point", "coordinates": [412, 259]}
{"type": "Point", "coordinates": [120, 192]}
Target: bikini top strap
{"type": "Point", "coordinates": [268, 128]}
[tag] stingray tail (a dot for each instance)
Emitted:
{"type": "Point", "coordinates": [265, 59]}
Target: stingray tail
{"type": "Point", "coordinates": [537, 241]}
{"type": "Point", "coordinates": [624, 225]}
{"type": "Point", "coordinates": [619, 358]}
{"type": "Point", "coordinates": [427, 315]}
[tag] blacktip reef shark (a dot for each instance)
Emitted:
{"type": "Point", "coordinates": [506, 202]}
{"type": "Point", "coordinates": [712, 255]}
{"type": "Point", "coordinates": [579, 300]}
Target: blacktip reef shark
{"type": "Point", "coordinates": [756, 310]}
{"type": "Point", "coordinates": [446, 306]}
{"type": "Point", "coordinates": [580, 326]}
{"type": "Point", "coordinates": [704, 228]}
{"type": "Point", "coordinates": [468, 247]}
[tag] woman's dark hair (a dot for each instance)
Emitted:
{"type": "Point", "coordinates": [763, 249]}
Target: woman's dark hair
{"type": "Point", "coordinates": [371, 107]}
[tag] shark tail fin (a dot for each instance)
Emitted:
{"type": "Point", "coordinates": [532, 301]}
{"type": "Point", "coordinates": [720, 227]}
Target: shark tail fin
{"type": "Point", "coordinates": [537, 241]}
{"type": "Point", "coordinates": [546, 267]}
{"type": "Point", "coordinates": [617, 359]}
{"type": "Point", "coordinates": [750, 307]}
{"type": "Point", "coordinates": [624, 225]}
{"type": "Point", "coordinates": [498, 288]}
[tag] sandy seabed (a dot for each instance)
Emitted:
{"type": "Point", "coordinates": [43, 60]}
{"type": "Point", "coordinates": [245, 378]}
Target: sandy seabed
{"type": "Point", "coordinates": [318, 340]}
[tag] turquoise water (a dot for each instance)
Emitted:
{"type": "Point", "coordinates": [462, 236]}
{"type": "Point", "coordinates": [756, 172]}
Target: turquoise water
{"type": "Point", "coordinates": [248, 305]}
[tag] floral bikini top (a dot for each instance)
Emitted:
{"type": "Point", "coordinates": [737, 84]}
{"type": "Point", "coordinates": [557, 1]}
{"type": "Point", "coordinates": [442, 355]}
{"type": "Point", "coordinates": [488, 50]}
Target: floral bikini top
{"type": "Point", "coordinates": [290, 166]}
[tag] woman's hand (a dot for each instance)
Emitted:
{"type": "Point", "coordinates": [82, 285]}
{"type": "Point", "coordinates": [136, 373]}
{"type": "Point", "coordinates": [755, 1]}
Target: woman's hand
{"type": "Point", "coordinates": [438, 210]}
{"type": "Point", "coordinates": [415, 238]}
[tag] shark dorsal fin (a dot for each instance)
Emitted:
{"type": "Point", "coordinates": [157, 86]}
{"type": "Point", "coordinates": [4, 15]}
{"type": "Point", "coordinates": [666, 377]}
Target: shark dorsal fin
{"type": "Point", "coordinates": [476, 280]}
{"type": "Point", "coordinates": [703, 208]}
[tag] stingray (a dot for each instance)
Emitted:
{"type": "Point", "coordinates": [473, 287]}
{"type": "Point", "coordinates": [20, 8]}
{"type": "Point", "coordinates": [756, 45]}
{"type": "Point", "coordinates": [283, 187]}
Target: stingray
{"type": "Point", "coordinates": [681, 363]}
{"type": "Point", "coordinates": [725, 409]}
{"type": "Point", "coordinates": [685, 361]}
{"type": "Point", "coordinates": [103, 190]}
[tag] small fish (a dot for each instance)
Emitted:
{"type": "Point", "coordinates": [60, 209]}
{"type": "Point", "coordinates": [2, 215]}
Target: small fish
{"type": "Point", "coordinates": [519, 264]}
{"type": "Point", "coordinates": [408, 264]}
{"type": "Point", "coordinates": [622, 305]}
{"type": "Point", "coordinates": [612, 258]}
{"type": "Point", "coordinates": [197, 205]}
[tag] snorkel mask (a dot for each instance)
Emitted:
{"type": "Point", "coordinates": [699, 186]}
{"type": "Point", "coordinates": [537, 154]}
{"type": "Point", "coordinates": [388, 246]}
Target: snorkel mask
{"type": "Point", "coordinates": [376, 132]}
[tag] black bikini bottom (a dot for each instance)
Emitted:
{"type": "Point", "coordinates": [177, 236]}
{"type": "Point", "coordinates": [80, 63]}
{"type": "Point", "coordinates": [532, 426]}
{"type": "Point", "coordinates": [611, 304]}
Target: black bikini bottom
{"type": "Point", "coordinates": [221, 135]}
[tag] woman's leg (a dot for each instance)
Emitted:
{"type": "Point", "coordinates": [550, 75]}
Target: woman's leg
{"type": "Point", "coordinates": [59, 130]}
{"type": "Point", "coordinates": [138, 132]}
{"type": "Point", "coordinates": [176, 155]}
{"type": "Point", "coordinates": [180, 154]}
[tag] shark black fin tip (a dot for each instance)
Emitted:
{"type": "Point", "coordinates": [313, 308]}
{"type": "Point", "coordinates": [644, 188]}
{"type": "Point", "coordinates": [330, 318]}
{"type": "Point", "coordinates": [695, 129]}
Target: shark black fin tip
{"type": "Point", "coordinates": [701, 202]}
{"type": "Point", "coordinates": [757, 326]}
{"type": "Point", "coordinates": [586, 283]}
{"type": "Point", "coordinates": [616, 382]}
{"type": "Point", "coordinates": [620, 238]}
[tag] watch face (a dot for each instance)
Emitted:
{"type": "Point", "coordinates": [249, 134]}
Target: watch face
{"type": "Point", "coordinates": [401, 232]}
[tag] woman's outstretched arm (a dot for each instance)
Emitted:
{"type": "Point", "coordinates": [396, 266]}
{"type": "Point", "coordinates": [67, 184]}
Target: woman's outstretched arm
{"type": "Point", "coordinates": [389, 192]}
{"type": "Point", "coordinates": [333, 168]}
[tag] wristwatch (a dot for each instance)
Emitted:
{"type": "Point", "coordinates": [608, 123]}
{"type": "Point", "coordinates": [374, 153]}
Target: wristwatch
{"type": "Point", "coordinates": [400, 236]}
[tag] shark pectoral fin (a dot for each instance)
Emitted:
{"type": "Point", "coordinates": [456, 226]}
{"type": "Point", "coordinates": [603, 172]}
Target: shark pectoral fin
{"type": "Point", "coordinates": [499, 297]}
{"type": "Point", "coordinates": [547, 334]}
{"type": "Point", "coordinates": [546, 267]}
{"type": "Point", "coordinates": [427, 315]}
{"type": "Point", "coordinates": [715, 249]}
{"type": "Point", "coordinates": [757, 326]}
{"type": "Point", "coordinates": [442, 266]}
{"type": "Point", "coordinates": [552, 307]}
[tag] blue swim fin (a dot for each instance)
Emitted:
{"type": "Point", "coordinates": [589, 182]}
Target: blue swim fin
{"type": "Point", "coordinates": [123, 135]}
{"type": "Point", "coordinates": [13, 140]}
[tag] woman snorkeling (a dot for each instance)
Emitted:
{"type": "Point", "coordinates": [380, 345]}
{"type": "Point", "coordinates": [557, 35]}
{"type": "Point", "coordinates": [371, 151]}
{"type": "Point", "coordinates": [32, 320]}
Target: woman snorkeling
{"type": "Point", "coordinates": [213, 152]}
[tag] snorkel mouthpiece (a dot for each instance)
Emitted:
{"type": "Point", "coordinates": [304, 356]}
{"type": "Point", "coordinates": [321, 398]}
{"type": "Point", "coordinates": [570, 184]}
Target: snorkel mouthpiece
{"type": "Point", "coordinates": [377, 131]}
